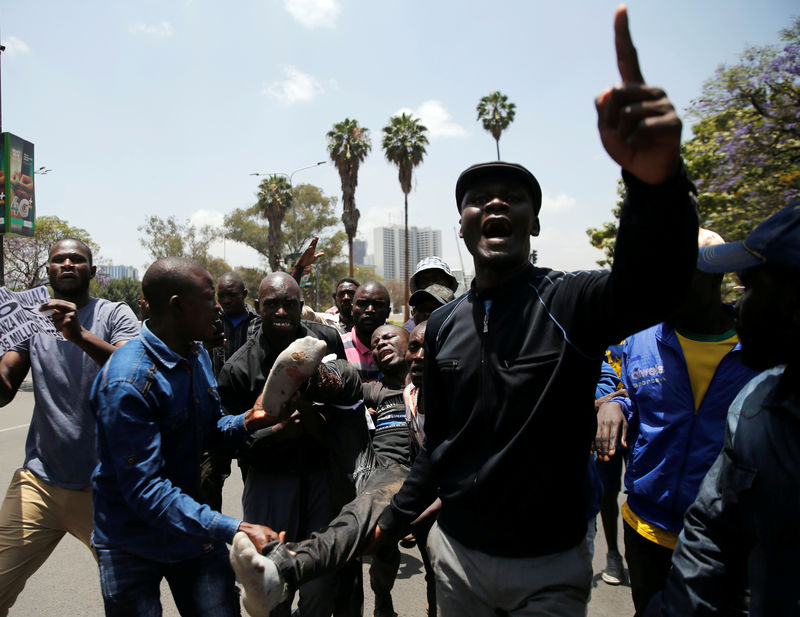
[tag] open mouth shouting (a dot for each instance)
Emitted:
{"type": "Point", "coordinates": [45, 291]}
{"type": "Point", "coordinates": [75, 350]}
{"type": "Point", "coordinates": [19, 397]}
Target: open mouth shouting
{"type": "Point", "coordinates": [496, 227]}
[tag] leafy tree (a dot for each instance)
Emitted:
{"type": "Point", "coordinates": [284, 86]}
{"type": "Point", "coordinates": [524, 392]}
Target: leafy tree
{"type": "Point", "coordinates": [25, 257]}
{"type": "Point", "coordinates": [745, 152]}
{"type": "Point", "coordinates": [605, 237]}
{"type": "Point", "coordinates": [497, 113]}
{"type": "Point", "coordinates": [122, 290]}
{"type": "Point", "coordinates": [166, 237]}
{"type": "Point", "coordinates": [315, 217]}
{"type": "Point", "coordinates": [252, 279]}
{"type": "Point", "coordinates": [216, 267]}
{"type": "Point", "coordinates": [348, 146]}
{"type": "Point", "coordinates": [404, 141]}
{"type": "Point", "coordinates": [396, 293]}
{"type": "Point", "coordinates": [274, 198]}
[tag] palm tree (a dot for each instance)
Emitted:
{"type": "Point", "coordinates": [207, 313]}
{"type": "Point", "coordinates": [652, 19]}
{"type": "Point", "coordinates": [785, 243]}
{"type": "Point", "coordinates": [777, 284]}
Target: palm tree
{"type": "Point", "coordinates": [348, 145]}
{"type": "Point", "coordinates": [274, 198]}
{"type": "Point", "coordinates": [497, 113]}
{"type": "Point", "coordinates": [404, 141]}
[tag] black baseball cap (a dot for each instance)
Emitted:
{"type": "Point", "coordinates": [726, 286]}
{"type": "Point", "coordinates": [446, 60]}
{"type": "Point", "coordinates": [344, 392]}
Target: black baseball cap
{"type": "Point", "coordinates": [499, 168]}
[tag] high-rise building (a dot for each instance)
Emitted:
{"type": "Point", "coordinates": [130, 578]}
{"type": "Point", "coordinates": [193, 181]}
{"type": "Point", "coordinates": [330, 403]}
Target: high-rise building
{"type": "Point", "coordinates": [359, 252]}
{"type": "Point", "coordinates": [120, 272]}
{"type": "Point", "coordinates": [389, 250]}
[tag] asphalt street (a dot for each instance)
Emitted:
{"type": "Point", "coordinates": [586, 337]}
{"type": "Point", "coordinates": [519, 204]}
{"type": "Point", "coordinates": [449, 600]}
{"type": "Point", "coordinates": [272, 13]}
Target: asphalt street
{"type": "Point", "coordinates": [68, 584]}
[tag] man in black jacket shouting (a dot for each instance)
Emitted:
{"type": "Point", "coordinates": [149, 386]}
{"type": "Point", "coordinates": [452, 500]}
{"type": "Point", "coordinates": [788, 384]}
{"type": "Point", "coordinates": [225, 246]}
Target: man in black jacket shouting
{"type": "Point", "coordinates": [512, 366]}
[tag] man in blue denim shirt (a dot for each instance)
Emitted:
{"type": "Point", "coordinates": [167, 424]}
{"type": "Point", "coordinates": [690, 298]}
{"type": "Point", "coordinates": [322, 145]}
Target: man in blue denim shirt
{"type": "Point", "coordinates": [157, 410]}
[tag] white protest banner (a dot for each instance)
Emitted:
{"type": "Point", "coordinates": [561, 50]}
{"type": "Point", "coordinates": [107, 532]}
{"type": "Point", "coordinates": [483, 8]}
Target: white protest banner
{"type": "Point", "coordinates": [20, 318]}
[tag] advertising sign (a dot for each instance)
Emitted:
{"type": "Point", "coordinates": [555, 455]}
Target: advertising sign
{"type": "Point", "coordinates": [17, 203]}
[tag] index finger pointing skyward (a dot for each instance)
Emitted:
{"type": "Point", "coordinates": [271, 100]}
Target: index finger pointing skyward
{"type": "Point", "coordinates": [627, 59]}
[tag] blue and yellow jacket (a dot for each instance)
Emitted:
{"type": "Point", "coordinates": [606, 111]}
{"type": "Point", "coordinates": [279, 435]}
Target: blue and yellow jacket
{"type": "Point", "coordinates": [672, 446]}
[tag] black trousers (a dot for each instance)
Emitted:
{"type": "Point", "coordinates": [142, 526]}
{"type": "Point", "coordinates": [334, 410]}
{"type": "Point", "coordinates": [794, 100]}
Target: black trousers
{"type": "Point", "coordinates": [346, 536]}
{"type": "Point", "coordinates": [648, 566]}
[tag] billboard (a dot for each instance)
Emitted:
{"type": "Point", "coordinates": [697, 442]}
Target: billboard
{"type": "Point", "coordinates": [17, 203]}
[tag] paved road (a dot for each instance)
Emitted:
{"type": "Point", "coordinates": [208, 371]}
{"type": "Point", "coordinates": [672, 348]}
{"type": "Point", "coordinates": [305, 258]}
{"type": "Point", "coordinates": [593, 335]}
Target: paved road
{"type": "Point", "coordinates": [68, 583]}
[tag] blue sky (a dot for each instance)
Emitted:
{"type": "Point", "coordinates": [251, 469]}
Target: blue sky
{"type": "Point", "coordinates": [165, 107]}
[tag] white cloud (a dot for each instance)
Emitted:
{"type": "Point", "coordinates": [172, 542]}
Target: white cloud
{"type": "Point", "coordinates": [437, 120]}
{"type": "Point", "coordinates": [207, 217]}
{"type": "Point", "coordinates": [14, 46]}
{"type": "Point", "coordinates": [558, 203]}
{"type": "Point", "coordinates": [298, 87]}
{"type": "Point", "coordinates": [314, 13]}
{"type": "Point", "coordinates": [161, 30]}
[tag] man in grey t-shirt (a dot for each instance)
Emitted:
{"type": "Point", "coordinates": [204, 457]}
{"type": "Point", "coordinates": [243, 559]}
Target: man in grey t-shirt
{"type": "Point", "coordinates": [50, 495]}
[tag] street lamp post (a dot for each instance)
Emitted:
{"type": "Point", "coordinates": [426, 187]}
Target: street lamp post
{"type": "Point", "coordinates": [291, 190]}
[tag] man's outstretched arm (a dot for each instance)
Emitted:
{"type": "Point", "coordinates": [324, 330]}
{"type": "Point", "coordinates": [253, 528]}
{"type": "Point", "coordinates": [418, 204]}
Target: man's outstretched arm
{"type": "Point", "coordinates": [656, 247]}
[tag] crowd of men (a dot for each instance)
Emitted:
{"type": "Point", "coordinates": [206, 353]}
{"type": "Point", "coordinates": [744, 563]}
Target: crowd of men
{"type": "Point", "coordinates": [475, 426]}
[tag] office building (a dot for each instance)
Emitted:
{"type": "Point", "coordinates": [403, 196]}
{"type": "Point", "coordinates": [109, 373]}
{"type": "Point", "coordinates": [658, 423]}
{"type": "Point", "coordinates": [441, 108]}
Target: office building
{"type": "Point", "coordinates": [120, 272]}
{"type": "Point", "coordinates": [389, 249]}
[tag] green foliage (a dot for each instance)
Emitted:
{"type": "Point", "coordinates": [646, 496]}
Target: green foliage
{"type": "Point", "coordinates": [605, 236]}
{"type": "Point", "coordinates": [744, 154]}
{"type": "Point", "coordinates": [404, 141]}
{"type": "Point", "coordinates": [122, 290]}
{"type": "Point", "coordinates": [315, 217]}
{"type": "Point", "coordinates": [348, 146]}
{"type": "Point", "coordinates": [497, 113]}
{"type": "Point", "coordinates": [274, 198]}
{"type": "Point", "coordinates": [745, 151]}
{"type": "Point", "coordinates": [25, 257]}
{"type": "Point", "coordinates": [252, 279]}
{"type": "Point", "coordinates": [166, 237]}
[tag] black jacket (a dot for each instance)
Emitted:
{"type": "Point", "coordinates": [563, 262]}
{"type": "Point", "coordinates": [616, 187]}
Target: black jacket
{"type": "Point", "coordinates": [743, 530]}
{"type": "Point", "coordinates": [509, 396]}
{"type": "Point", "coordinates": [240, 382]}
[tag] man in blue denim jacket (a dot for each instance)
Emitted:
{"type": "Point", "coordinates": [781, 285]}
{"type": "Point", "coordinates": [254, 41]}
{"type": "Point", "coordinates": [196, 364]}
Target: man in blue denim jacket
{"type": "Point", "coordinates": [157, 410]}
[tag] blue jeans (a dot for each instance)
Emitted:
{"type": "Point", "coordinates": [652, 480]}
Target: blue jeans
{"type": "Point", "coordinates": [202, 585]}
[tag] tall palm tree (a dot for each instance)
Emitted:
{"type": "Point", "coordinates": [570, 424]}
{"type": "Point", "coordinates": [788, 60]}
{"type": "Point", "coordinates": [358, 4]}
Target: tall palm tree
{"type": "Point", "coordinates": [497, 113]}
{"type": "Point", "coordinates": [348, 145]}
{"type": "Point", "coordinates": [404, 141]}
{"type": "Point", "coordinates": [274, 198]}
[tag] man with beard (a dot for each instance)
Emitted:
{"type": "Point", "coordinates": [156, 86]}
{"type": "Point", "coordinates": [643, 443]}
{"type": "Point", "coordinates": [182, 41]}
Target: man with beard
{"type": "Point", "coordinates": [50, 495]}
{"type": "Point", "coordinates": [741, 532]}
{"type": "Point", "coordinates": [371, 305]}
{"type": "Point", "coordinates": [289, 480]}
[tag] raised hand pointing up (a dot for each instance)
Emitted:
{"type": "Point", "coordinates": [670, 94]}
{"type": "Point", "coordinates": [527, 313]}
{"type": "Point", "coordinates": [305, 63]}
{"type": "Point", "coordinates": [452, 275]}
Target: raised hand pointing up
{"type": "Point", "coordinates": [638, 125]}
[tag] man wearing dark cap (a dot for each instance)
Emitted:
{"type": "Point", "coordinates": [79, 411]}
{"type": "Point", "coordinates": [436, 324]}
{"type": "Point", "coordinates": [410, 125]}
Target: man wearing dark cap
{"type": "Point", "coordinates": [430, 271]}
{"type": "Point", "coordinates": [512, 365]}
{"type": "Point", "coordinates": [426, 300]}
{"type": "Point", "coordinates": [741, 532]}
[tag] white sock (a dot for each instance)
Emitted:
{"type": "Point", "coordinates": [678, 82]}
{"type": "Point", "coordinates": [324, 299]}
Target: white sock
{"type": "Point", "coordinates": [263, 586]}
